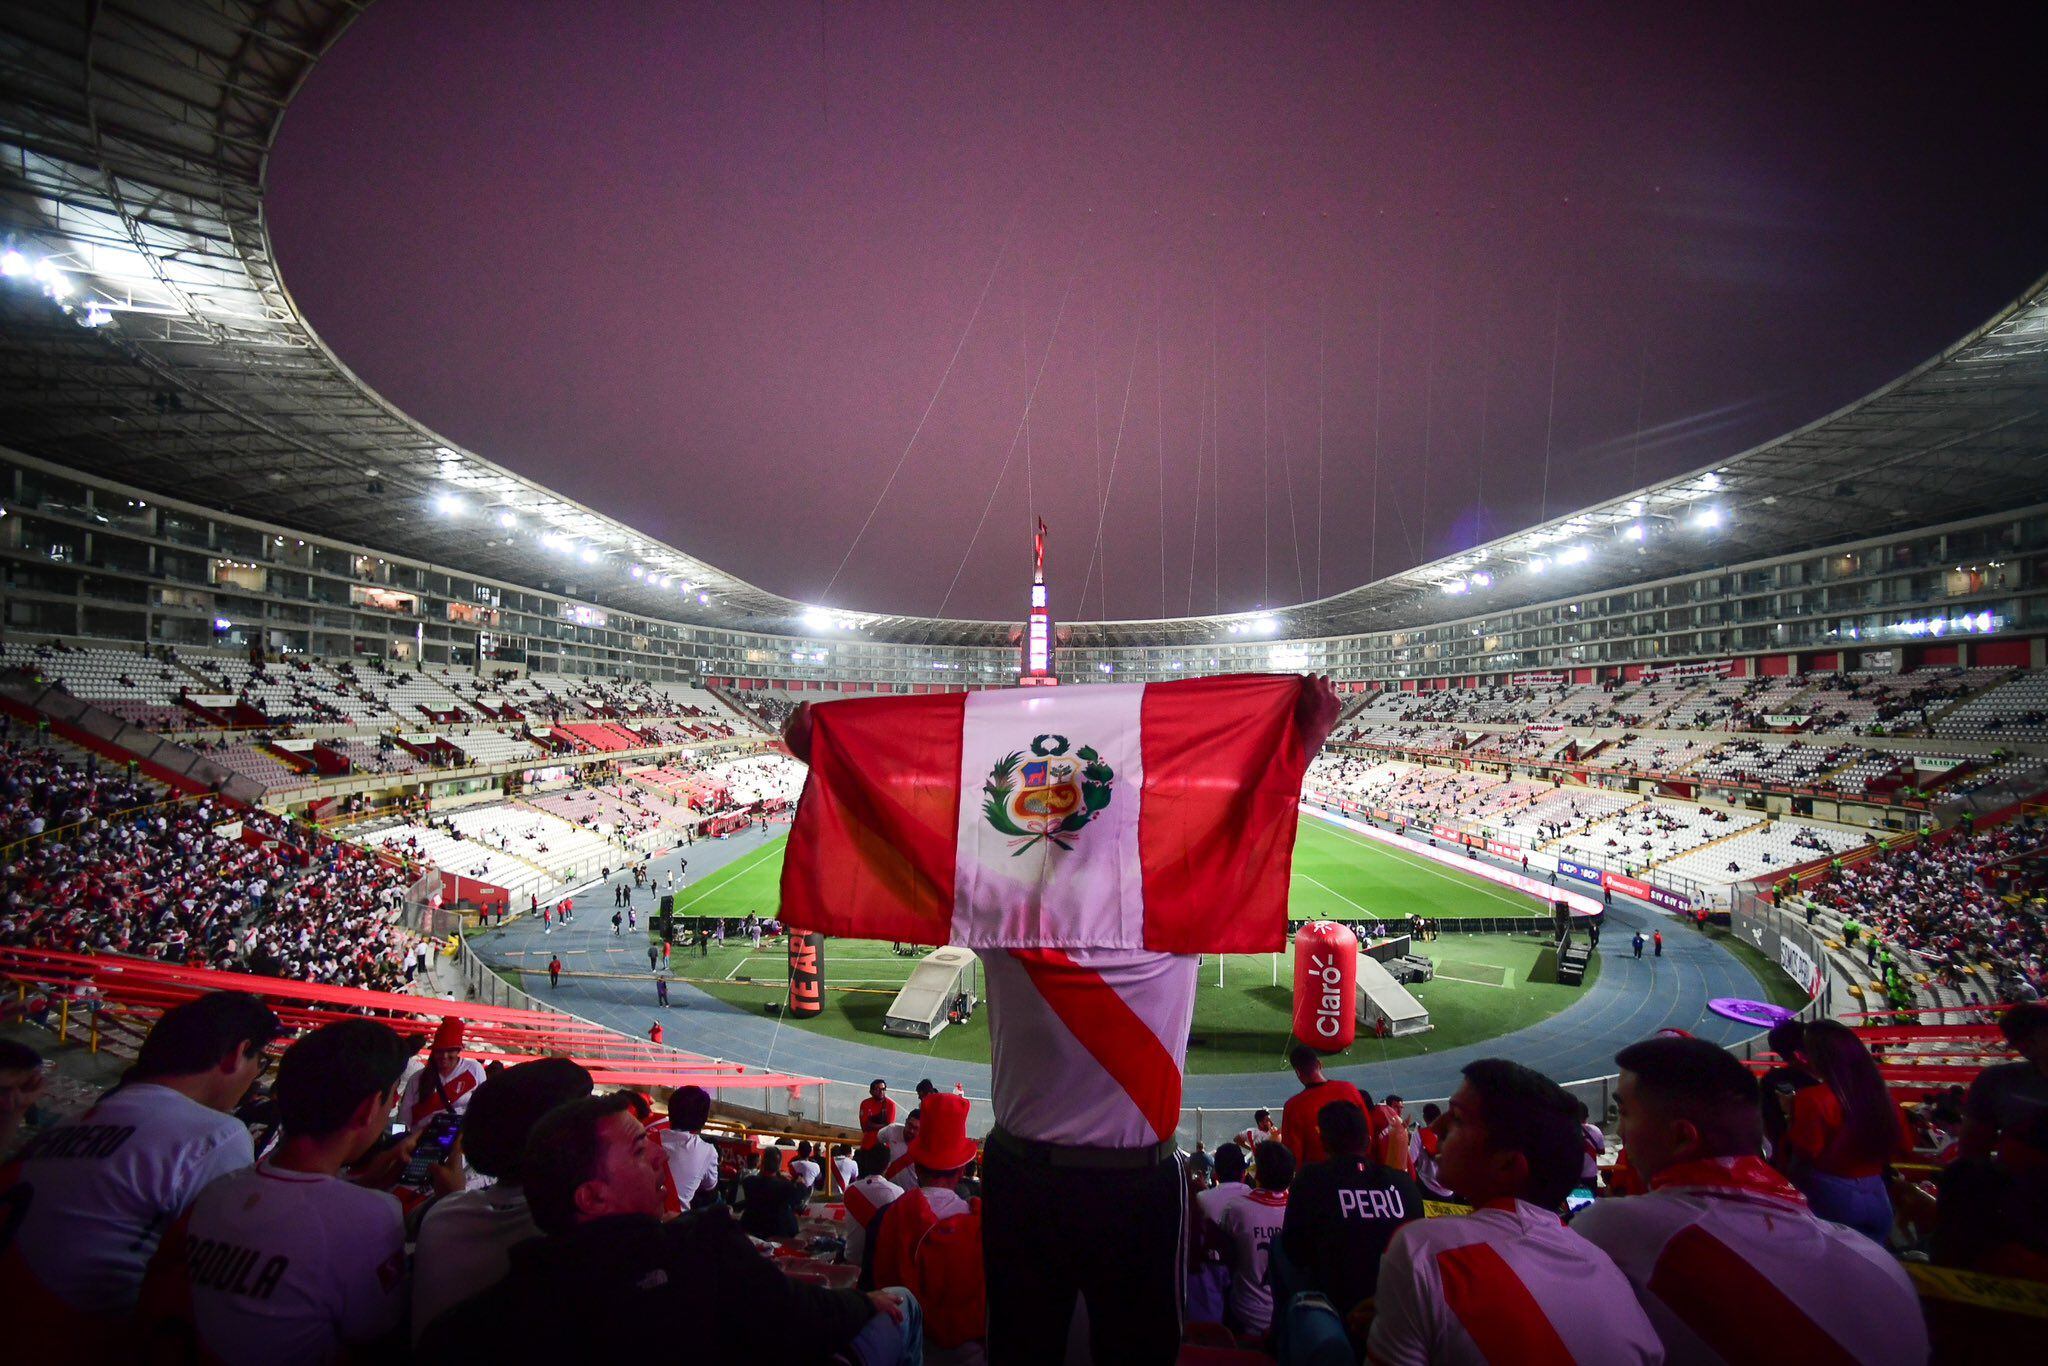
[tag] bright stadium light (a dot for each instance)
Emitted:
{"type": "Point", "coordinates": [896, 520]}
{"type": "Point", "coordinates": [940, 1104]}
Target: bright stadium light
{"type": "Point", "coordinates": [448, 505]}
{"type": "Point", "coordinates": [1574, 554]}
{"type": "Point", "coordinates": [1266, 626]}
{"type": "Point", "coordinates": [704, 599]}
{"type": "Point", "coordinates": [507, 520]}
{"type": "Point", "coordinates": [1706, 519]}
{"type": "Point", "coordinates": [817, 619]}
{"type": "Point", "coordinates": [1454, 586]}
{"type": "Point", "coordinates": [13, 265]}
{"type": "Point", "coordinates": [639, 572]}
{"type": "Point", "coordinates": [1538, 565]}
{"type": "Point", "coordinates": [587, 554]}
{"type": "Point", "coordinates": [1633, 532]}
{"type": "Point", "coordinates": [1482, 580]}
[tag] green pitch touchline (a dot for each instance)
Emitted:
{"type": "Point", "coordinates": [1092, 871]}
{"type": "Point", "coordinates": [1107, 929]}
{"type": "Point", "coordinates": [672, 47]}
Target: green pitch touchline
{"type": "Point", "coordinates": [740, 865]}
{"type": "Point", "coordinates": [1429, 866]}
{"type": "Point", "coordinates": [1339, 895]}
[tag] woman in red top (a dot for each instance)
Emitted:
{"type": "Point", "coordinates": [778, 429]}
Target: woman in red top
{"type": "Point", "coordinates": [1843, 1133]}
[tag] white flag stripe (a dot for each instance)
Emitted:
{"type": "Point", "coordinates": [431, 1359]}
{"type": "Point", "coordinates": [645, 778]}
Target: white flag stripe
{"type": "Point", "coordinates": [1067, 888]}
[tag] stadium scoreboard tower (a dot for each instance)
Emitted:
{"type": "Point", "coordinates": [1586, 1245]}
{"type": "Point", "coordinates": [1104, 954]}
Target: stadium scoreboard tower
{"type": "Point", "coordinates": [1037, 671]}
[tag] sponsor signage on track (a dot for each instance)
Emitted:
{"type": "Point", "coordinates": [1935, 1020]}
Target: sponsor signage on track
{"type": "Point", "coordinates": [1579, 871]}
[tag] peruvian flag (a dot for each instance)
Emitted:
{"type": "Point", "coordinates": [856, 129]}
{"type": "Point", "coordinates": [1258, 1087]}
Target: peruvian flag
{"type": "Point", "coordinates": [1155, 816]}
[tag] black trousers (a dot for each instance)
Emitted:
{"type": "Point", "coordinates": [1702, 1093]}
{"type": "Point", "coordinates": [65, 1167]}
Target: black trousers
{"type": "Point", "coordinates": [1114, 1237]}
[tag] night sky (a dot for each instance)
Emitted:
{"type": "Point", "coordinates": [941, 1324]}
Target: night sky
{"type": "Point", "coordinates": [703, 267]}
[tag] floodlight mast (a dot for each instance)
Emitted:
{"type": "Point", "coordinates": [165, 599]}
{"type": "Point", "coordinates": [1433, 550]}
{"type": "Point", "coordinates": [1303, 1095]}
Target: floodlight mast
{"type": "Point", "coordinates": [1038, 671]}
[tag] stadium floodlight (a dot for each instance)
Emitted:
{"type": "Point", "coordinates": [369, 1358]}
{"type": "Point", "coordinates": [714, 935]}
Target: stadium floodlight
{"type": "Point", "coordinates": [1706, 519]}
{"type": "Point", "coordinates": [639, 572]}
{"type": "Point", "coordinates": [1538, 565]}
{"type": "Point", "coordinates": [13, 264]}
{"type": "Point", "coordinates": [448, 505]}
{"type": "Point", "coordinates": [1633, 531]}
{"type": "Point", "coordinates": [1482, 580]}
{"type": "Point", "coordinates": [588, 554]}
{"type": "Point", "coordinates": [704, 599]}
{"type": "Point", "coordinates": [817, 619]}
{"type": "Point", "coordinates": [1574, 554]}
{"type": "Point", "coordinates": [1454, 586]}
{"type": "Point", "coordinates": [507, 520]}
{"type": "Point", "coordinates": [1266, 626]}
{"type": "Point", "coordinates": [58, 286]}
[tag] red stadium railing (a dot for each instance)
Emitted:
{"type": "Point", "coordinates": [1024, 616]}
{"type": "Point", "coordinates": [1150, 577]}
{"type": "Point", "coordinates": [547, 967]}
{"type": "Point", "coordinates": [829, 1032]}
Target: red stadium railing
{"type": "Point", "coordinates": [86, 987]}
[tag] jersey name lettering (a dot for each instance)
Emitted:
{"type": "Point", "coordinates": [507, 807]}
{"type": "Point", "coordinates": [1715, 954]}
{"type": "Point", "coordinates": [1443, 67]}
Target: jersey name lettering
{"type": "Point", "coordinates": [1370, 1204]}
{"type": "Point", "coordinates": [227, 1268]}
{"type": "Point", "coordinates": [81, 1140]}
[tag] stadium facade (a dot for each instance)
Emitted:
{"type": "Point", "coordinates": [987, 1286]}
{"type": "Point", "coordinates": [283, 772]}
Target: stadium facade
{"type": "Point", "coordinates": [183, 462]}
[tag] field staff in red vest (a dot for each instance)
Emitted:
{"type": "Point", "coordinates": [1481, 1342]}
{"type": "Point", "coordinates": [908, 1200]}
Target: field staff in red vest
{"type": "Point", "coordinates": [877, 1112]}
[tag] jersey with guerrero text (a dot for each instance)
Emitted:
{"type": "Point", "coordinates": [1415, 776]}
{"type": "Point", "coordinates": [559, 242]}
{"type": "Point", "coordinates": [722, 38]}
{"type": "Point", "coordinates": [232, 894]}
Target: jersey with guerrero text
{"type": "Point", "coordinates": [272, 1265]}
{"type": "Point", "coordinates": [92, 1198]}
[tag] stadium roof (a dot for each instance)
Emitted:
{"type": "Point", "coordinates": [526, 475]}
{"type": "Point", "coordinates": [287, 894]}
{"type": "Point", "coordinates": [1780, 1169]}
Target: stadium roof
{"type": "Point", "coordinates": [134, 139]}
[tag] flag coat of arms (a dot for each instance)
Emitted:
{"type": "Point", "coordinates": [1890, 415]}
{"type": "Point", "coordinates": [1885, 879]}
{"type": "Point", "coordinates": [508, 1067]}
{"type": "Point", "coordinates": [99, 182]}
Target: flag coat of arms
{"type": "Point", "coordinates": [1154, 816]}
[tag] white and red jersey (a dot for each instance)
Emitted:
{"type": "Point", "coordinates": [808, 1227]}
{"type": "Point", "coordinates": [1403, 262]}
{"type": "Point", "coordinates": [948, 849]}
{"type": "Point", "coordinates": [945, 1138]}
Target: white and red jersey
{"type": "Point", "coordinates": [1212, 1202]}
{"type": "Point", "coordinates": [692, 1163]}
{"type": "Point", "coordinates": [1251, 1138]}
{"type": "Point", "coordinates": [848, 1169]}
{"type": "Point", "coordinates": [271, 1265]}
{"type": "Point", "coordinates": [1088, 1044]}
{"type": "Point", "coordinates": [1252, 1222]}
{"type": "Point", "coordinates": [1732, 1266]}
{"type": "Point", "coordinates": [1507, 1282]}
{"type": "Point", "coordinates": [866, 1197]}
{"type": "Point", "coordinates": [96, 1194]}
{"type": "Point", "coordinates": [421, 1100]}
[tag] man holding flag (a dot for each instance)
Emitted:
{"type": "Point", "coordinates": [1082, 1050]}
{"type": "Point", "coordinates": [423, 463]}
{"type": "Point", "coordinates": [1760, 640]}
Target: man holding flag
{"type": "Point", "coordinates": [1087, 843]}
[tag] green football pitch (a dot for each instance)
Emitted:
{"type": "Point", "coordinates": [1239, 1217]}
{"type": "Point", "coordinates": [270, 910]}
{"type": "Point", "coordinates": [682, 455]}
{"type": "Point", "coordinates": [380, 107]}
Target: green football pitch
{"type": "Point", "coordinates": [1338, 875]}
{"type": "Point", "coordinates": [1486, 984]}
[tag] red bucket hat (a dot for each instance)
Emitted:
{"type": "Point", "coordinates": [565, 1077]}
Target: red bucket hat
{"type": "Point", "coordinates": [449, 1035]}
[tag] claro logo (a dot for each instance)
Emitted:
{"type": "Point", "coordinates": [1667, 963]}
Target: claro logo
{"type": "Point", "coordinates": [1330, 1003]}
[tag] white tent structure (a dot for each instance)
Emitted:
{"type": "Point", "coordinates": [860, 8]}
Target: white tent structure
{"type": "Point", "coordinates": [1380, 997]}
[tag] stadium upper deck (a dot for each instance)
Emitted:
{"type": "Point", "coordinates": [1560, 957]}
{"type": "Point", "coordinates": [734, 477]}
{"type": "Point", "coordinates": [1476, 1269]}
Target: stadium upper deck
{"type": "Point", "coordinates": [149, 341]}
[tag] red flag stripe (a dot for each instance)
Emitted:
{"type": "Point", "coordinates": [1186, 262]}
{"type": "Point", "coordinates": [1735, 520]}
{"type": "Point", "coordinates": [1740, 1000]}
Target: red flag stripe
{"type": "Point", "coordinates": [1223, 765]}
{"type": "Point", "coordinates": [1698, 1278]}
{"type": "Point", "coordinates": [1116, 1036]}
{"type": "Point", "coordinates": [871, 851]}
{"type": "Point", "coordinates": [1496, 1309]}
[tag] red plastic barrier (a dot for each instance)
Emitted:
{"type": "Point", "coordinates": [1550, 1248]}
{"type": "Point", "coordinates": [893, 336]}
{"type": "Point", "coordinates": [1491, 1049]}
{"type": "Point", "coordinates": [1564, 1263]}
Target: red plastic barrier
{"type": "Point", "coordinates": [806, 973]}
{"type": "Point", "coordinates": [1325, 985]}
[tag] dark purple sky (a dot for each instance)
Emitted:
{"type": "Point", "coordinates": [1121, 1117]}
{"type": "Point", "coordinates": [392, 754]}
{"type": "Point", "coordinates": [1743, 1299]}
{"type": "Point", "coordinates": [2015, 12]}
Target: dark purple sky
{"type": "Point", "coordinates": [703, 266]}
